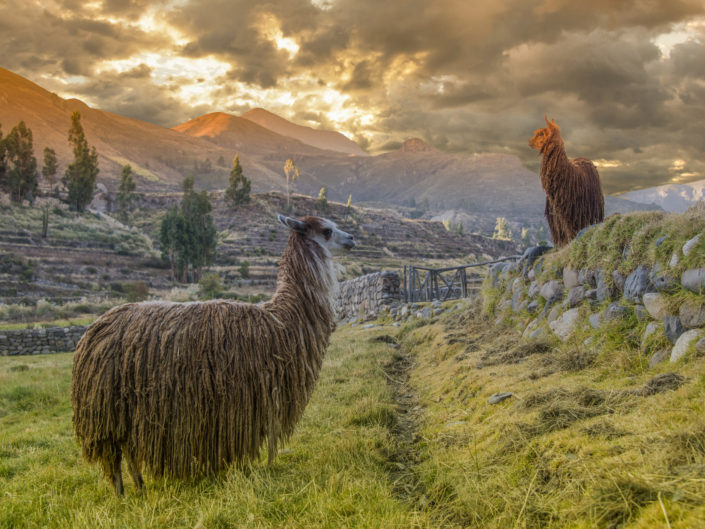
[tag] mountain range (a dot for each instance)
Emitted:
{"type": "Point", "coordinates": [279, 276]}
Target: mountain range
{"type": "Point", "coordinates": [490, 185]}
{"type": "Point", "coordinates": [671, 197]}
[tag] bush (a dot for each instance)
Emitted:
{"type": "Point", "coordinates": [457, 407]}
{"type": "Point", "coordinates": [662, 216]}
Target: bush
{"type": "Point", "coordinates": [136, 291]}
{"type": "Point", "coordinates": [244, 269]}
{"type": "Point", "coordinates": [210, 286]}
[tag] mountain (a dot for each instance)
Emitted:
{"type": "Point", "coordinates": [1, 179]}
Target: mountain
{"type": "Point", "coordinates": [671, 197]}
{"type": "Point", "coordinates": [322, 139]}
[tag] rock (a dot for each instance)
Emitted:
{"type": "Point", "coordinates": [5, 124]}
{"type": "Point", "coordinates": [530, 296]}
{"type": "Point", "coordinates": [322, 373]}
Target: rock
{"type": "Point", "coordinates": [531, 254]}
{"type": "Point", "coordinates": [615, 311]}
{"type": "Point", "coordinates": [533, 324]}
{"type": "Point", "coordinates": [618, 279]}
{"type": "Point", "coordinates": [369, 326]}
{"type": "Point", "coordinates": [673, 262]}
{"type": "Point", "coordinates": [587, 277]}
{"type": "Point", "coordinates": [426, 312]}
{"type": "Point", "coordinates": [576, 296]}
{"type": "Point", "coordinates": [436, 304]}
{"type": "Point", "coordinates": [683, 343]}
{"type": "Point", "coordinates": [651, 329]}
{"type": "Point", "coordinates": [591, 294]}
{"type": "Point", "coordinates": [637, 284]}
{"type": "Point", "coordinates": [672, 328]}
{"type": "Point", "coordinates": [533, 306]}
{"type": "Point", "coordinates": [693, 279]}
{"type": "Point", "coordinates": [662, 281]}
{"type": "Point", "coordinates": [641, 313]}
{"type": "Point", "coordinates": [551, 289]}
{"type": "Point", "coordinates": [499, 397]}
{"type": "Point", "coordinates": [689, 245]}
{"type": "Point", "coordinates": [700, 346]}
{"type": "Point", "coordinates": [405, 311]}
{"type": "Point", "coordinates": [396, 324]}
{"type": "Point", "coordinates": [437, 311]}
{"type": "Point", "coordinates": [660, 240]}
{"type": "Point", "coordinates": [517, 298]}
{"type": "Point", "coordinates": [564, 326]}
{"type": "Point", "coordinates": [534, 289]}
{"type": "Point", "coordinates": [692, 314]}
{"type": "Point", "coordinates": [659, 357]}
{"type": "Point", "coordinates": [570, 278]}
{"type": "Point", "coordinates": [537, 334]}
{"type": "Point", "coordinates": [595, 320]}
{"type": "Point", "coordinates": [605, 291]}
{"type": "Point", "coordinates": [553, 315]}
{"type": "Point", "coordinates": [531, 275]}
{"type": "Point", "coordinates": [656, 305]}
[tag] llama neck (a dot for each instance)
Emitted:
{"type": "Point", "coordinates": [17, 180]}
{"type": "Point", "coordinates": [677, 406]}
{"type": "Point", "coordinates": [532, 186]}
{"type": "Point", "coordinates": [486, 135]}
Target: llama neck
{"type": "Point", "coordinates": [306, 284]}
{"type": "Point", "coordinates": [554, 160]}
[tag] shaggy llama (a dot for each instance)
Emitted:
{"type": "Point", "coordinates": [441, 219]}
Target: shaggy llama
{"type": "Point", "coordinates": [574, 197]}
{"type": "Point", "coordinates": [187, 388]}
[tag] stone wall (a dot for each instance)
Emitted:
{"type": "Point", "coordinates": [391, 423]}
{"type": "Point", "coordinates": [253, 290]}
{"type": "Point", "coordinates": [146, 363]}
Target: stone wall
{"type": "Point", "coordinates": [40, 341]}
{"type": "Point", "coordinates": [666, 303]}
{"type": "Point", "coordinates": [367, 296]}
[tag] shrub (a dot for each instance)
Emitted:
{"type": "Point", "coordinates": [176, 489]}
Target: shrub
{"type": "Point", "coordinates": [136, 291]}
{"type": "Point", "coordinates": [210, 286]}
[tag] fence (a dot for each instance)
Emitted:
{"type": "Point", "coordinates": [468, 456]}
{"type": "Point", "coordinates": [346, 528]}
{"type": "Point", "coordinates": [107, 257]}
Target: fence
{"type": "Point", "coordinates": [425, 284]}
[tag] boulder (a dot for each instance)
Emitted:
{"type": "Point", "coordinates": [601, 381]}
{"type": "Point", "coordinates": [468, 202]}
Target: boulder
{"type": "Point", "coordinates": [641, 313]}
{"type": "Point", "coordinates": [683, 343]}
{"type": "Point", "coordinates": [534, 289]}
{"type": "Point", "coordinates": [692, 314]}
{"type": "Point", "coordinates": [615, 311]}
{"type": "Point", "coordinates": [605, 291]}
{"type": "Point", "coordinates": [637, 284]}
{"type": "Point", "coordinates": [553, 315]}
{"type": "Point", "coordinates": [662, 281]}
{"type": "Point", "coordinates": [564, 326]}
{"type": "Point", "coordinates": [533, 324]}
{"type": "Point", "coordinates": [674, 260]}
{"type": "Point", "coordinates": [700, 346]}
{"type": "Point", "coordinates": [551, 289]}
{"type": "Point", "coordinates": [618, 279]}
{"type": "Point", "coordinates": [693, 279]}
{"type": "Point", "coordinates": [570, 278]}
{"type": "Point", "coordinates": [587, 277]}
{"type": "Point", "coordinates": [499, 397]}
{"type": "Point", "coordinates": [651, 329]}
{"type": "Point", "coordinates": [533, 306]}
{"type": "Point", "coordinates": [656, 305]}
{"type": "Point", "coordinates": [659, 357]}
{"type": "Point", "coordinates": [690, 244]}
{"type": "Point", "coordinates": [672, 328]}
{"type": "Point", "coordinates": [591, 294]}
{"type": "Point", "coordinates": [576, 296]}
{"type": "Point", "coordinates": [595, 320]}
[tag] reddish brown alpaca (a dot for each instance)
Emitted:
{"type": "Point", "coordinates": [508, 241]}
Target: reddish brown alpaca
{"type": "Point", "coordinates": [574, 197]}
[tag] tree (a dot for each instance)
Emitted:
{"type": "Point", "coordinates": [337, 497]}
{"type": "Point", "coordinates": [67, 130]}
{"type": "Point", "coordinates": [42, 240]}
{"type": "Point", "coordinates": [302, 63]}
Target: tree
{"type": "Point", "coordinates": [459, 229]}
{"type": "Point", "coordinates": [501, 229]}
{"type": "Point", "coordinates": [50, 166]}
{"type": "Point", "coordinates": [188, 236]}
{"type": "Point", "coordinates": [21, 178]}
{"type": "Point", "coordinates": [239, 190]}
{"type": "Point", "coordinates": [80, 176]}
{"type": "Point", "coordinates": [125, 193]}
{"type": "Point", "coordinates": [291, 173]}
{"type": "Point", "coordinates": [322, 202]}
{"type": "Point", "coordinates": [348, 207]}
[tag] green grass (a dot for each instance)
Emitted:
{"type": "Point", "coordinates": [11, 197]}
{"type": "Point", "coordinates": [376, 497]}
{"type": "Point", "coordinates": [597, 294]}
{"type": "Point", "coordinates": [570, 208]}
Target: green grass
{"type": "Point", "coordinates": [332, 474]}
{"type": "Point", "coordinates": [87, 320]}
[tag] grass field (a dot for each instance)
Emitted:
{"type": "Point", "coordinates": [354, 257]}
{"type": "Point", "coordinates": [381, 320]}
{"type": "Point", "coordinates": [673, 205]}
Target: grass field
{"type": "Point", "coordinates": [402, 437]}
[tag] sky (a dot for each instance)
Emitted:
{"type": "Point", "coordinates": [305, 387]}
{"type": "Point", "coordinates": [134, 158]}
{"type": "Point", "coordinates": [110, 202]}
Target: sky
{"type": "Point", "coordinates": [624, 79]}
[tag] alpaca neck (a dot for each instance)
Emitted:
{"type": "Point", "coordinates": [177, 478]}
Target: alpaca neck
{"type": "Point", "coordinates": [306, 283]}
{"type": "Point", "coordinates": [554, 159]}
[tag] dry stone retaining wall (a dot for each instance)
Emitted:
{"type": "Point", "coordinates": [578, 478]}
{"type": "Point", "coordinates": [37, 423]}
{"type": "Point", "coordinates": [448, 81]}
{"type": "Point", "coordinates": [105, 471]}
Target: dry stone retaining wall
{"type": "Point", "coordinates": [40, 341]}
{"type": "Point", "coordinates": [368, 295]}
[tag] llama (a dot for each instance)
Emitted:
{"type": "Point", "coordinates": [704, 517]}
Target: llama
{"type": "Point", "coordinates": [574, 197]}
{"type": "Point", "coordinates": [184, 389]}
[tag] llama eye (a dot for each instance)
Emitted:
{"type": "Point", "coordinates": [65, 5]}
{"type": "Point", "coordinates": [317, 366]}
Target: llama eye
{"type": "Point", "coordinates": [327, 233]}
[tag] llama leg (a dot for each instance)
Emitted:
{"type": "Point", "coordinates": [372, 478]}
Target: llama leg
{"type": "Point", "coordinates": [115, 470]}
{"type": "Point", "coordinates": [134, 469]}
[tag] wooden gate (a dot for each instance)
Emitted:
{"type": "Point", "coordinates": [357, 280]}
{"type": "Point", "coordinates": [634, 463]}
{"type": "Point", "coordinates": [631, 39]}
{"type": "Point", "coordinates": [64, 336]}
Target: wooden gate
{"type": "Point", "coordinates": [426, 284]}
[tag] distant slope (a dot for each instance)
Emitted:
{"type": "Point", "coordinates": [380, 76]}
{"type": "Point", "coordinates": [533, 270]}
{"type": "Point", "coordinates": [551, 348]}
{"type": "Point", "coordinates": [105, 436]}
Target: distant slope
{"type": "Point", "coordinates": [671, 197]}
{"type": "Point", "coordinates": [322, 139]}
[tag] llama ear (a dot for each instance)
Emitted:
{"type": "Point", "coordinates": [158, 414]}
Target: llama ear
{"type": "Point", "coordinates": [293, 224]}
{"type": "Point", "coordinates": [545, 118]}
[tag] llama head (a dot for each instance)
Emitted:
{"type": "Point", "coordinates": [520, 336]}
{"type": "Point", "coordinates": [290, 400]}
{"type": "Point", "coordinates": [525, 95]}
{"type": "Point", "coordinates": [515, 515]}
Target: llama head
{"type": "Point", "coordinates": [541, 136]}
{"type": "Point", "coordinates": [323, 231]}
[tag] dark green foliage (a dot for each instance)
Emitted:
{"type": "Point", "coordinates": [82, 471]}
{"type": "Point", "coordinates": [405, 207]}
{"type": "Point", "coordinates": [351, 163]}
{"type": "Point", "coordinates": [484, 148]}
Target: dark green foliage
{"type": "Point", "coordinates": [210, 286]}
{"type": "Point", "coordinates": [80, 176]}
{"type": "Point", "coordinates": [125, 193]}
{"type": "Point", "coordinates": [45, 221]}
{"type": "Point", "coordinates": [188, 235]}
{"type": "Point", "coordinates": [136, 291]}
{"type": "Point", "coordinates": [244, 269]}
{"type": "Point", "coordinates": [239, 190]}
{"type": "Point", "coordinates": [21, 165]}
{"type": "Point", "coordinates": [50, 166]}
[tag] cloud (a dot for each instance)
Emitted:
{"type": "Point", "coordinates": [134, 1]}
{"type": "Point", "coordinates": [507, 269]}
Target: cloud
{"type": "Point", "coordinates": [465, 76]}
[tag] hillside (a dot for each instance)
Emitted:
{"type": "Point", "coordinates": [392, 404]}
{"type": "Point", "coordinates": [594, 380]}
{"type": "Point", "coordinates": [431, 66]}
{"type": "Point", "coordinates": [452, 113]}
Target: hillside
{"type": "Point", "coordinates": [671, 197]}
{"type": "Point", "coordinates": [322, 139]}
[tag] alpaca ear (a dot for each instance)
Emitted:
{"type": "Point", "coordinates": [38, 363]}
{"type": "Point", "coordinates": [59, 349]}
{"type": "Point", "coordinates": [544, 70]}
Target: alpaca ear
{"type": "Point", "coordinates": [293, 224]}
{"type": "Point", "coordinates": [545, 118]}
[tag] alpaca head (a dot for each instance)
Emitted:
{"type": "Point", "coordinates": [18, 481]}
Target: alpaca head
{"type": "Point", "coordinates": [541, 136]}
{"type": "Point", "coordinates": [322, 231]}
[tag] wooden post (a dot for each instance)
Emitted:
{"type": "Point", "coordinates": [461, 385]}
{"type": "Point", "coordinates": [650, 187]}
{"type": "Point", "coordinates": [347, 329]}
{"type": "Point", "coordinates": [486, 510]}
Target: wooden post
{"type": "Point", "coordinates": [463, 283]}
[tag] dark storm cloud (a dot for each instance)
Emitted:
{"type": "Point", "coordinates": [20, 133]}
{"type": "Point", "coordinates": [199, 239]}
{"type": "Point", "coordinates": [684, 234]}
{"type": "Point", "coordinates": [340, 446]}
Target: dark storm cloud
{"type": "Point", "coordinates": [465, 76]}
